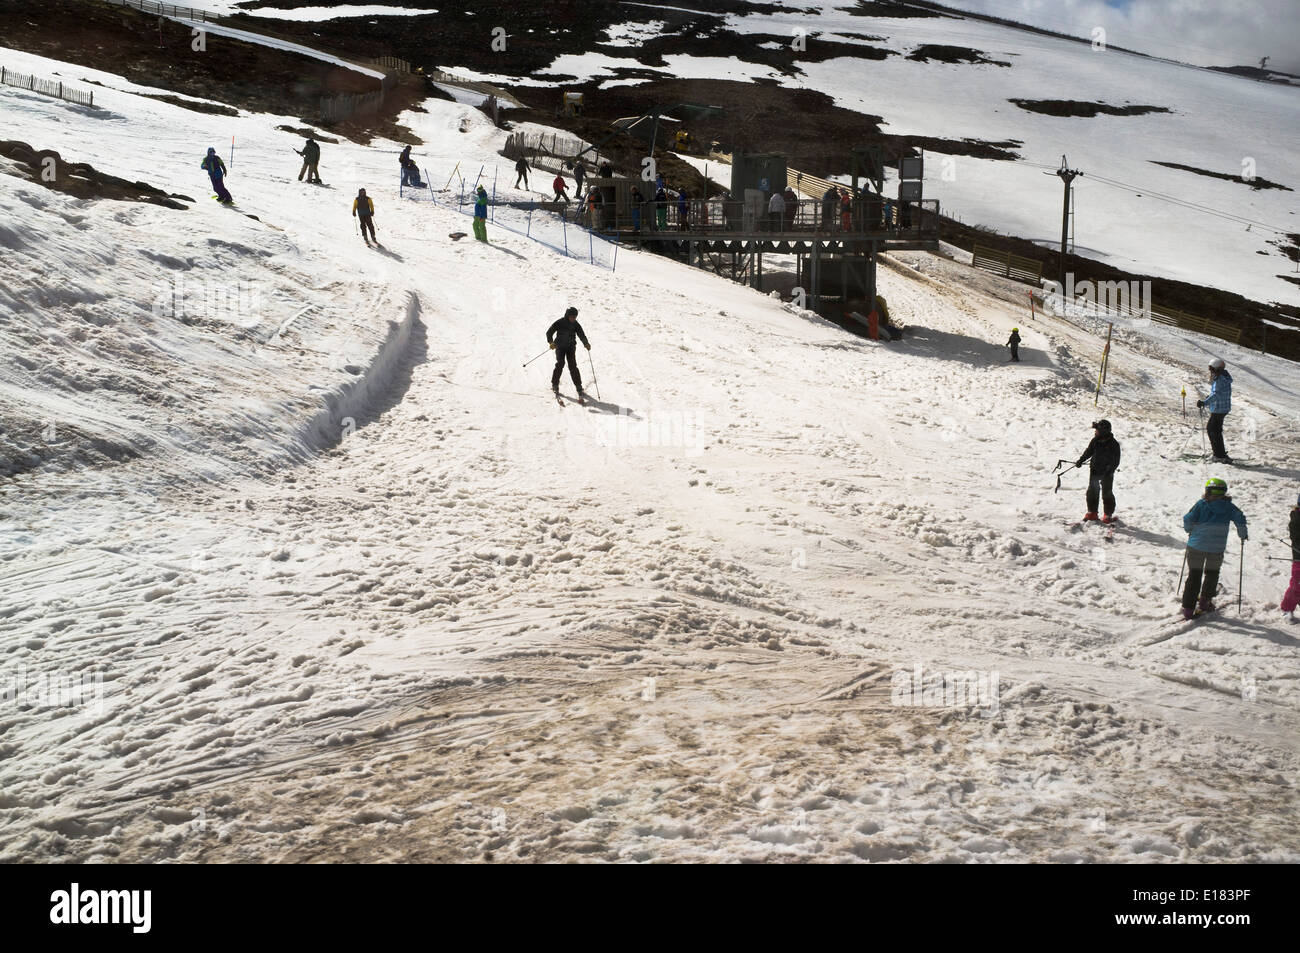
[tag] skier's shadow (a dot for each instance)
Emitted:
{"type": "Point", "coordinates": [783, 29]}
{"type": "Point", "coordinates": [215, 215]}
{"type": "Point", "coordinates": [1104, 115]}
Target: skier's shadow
{"type": "Point", "coordinates": [1159, 539]}
{"type": "Point", "coordinates": [601, 407]}
{"type": "Point", "coordinates": [389, 254]}
{"type": "Point", "coordinates": [1255, 630]}
{"type": "Point", "coordinates": [507, 251]}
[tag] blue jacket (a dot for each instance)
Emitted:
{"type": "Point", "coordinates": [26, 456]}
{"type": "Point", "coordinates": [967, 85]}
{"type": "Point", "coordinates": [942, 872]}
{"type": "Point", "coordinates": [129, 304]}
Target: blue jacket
{"type": "Point", "coordinates": [1220, 399]}
{"type": "Point", "coordinates": [213, 165]}
{"type": "Point", "coordinates": [1207, 524]}
{"type": "Point", "coordinates": [480, 207]}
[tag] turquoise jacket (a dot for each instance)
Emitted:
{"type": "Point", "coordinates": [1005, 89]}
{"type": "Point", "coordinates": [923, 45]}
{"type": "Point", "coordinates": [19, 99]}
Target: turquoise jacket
{"type": "Point", "coordinates": [1207, 522]}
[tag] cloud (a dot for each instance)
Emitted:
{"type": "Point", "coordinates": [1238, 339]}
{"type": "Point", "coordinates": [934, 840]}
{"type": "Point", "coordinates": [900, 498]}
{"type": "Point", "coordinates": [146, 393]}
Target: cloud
{"type": "Point", "coordinates": [1203, 32]}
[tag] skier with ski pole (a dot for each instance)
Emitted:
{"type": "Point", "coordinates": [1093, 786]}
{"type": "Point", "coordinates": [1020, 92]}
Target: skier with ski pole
{"type": "Point", "coordinates": [310, 153]}
{"type": "Point", "coordinates": [1103, 460]}
{"type": "Point", "coordinates": [1292, 596]}
{"type": "Point", "coordinates": [1217, 405]}
{"type": "Point", "coordinates": [563, 337]}
{"type": "Point", "coordinates": [216, 170]}
{"type": "Point", "coordinates": [363, 209]}
{"type": "Point", "coordinates": [1206, 524]}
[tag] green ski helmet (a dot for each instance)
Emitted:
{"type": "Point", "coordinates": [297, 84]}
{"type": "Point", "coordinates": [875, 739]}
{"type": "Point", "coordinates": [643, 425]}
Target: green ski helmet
{"type": "Point", "coordinates": [1215, 487]}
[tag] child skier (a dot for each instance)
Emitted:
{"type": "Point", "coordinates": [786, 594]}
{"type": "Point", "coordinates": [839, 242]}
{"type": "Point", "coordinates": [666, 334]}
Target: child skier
{"type": "Point", "coordinates": [1103, 460]}
{"type": "Point", "coordinates": [561, 189]}
{"type": "Point", "coordinates": [1206, 524]}
{"type": "Point", "coordinates": [1013, 342]}
{"type": "Point", "coordinates": [563, 337]}
{"type": "Point", "coordinates": [1292, 597]}
{"type": "Point", "coordinates": [480, 214]}
{"type": "Point", "coordinates": [216, 170]}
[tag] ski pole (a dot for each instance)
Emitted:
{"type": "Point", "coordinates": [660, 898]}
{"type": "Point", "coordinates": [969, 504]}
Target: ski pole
{"type": "Point", "coordinates": [531, 359]}
{"type": "Point", "coordinates": [1240, 572]}
{"type": "Point", "coordinates": [593, 374]}
{"type": "Point", "coordinates": [1180, 573]}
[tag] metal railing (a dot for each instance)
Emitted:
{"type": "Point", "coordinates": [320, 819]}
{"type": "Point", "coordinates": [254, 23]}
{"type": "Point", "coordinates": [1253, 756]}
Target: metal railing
{"type": "Point", "coordinates": [163, 9]}
{"type": "Point", "coordinates": [720, 219]}
{"type": "Point", "coordinates": [47, 87]}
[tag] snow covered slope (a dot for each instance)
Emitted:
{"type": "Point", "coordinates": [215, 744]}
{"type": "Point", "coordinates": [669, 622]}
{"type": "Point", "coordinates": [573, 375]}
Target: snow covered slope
{"type": "Point", "coordinates": [684, 622]}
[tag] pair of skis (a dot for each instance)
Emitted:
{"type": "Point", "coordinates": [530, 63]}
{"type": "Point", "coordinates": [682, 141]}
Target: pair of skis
{"type": "Point", "coordinates": [582, 398]}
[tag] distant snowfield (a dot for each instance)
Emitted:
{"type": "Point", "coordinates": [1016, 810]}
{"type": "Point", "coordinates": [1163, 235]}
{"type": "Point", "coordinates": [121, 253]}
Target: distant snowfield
{"type": "Point", "coordinates": [1217, 122]}
{"type": "Point", "coordinates": [696, 620]}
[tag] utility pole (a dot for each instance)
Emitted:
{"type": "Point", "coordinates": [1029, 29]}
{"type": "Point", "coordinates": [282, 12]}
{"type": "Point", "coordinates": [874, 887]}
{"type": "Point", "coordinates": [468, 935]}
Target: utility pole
{"type": "Point", "coordinates": [1067, 176]}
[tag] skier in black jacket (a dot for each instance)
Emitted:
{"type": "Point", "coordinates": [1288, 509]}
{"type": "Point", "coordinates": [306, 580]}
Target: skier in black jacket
{"type": "Point", "coordinates": [1013, 342]}
{"type": "Point", "coordinates": [563, 337]}
{"type": "Point", "coordinates": [1103, 460]}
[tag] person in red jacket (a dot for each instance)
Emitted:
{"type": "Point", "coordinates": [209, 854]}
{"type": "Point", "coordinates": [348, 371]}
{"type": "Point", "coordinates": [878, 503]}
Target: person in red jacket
{"type": "Point", "coordinates": [561, 189]}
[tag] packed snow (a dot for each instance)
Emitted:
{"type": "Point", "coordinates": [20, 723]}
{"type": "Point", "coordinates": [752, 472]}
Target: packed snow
{"type": "Point", "coordinates": [353, 587]}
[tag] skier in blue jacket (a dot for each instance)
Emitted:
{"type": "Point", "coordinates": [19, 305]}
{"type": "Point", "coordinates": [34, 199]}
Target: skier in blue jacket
{"type": "Point", "coordinates": [216, 170]}
{"type": "Point", "coordinates": [480, 214]}
{"type": "Point", "coordinates": [1217, 405]}
{"type": "Point", "coordinates": [1206, 524]}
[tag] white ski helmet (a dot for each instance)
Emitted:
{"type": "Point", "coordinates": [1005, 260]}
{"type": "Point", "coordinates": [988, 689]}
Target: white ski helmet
{"type": "Point", "coordinates": [1216, 364]}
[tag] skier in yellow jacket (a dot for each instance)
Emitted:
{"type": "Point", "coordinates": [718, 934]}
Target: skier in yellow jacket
{"type": "Point", "coordinates": [363, 209]}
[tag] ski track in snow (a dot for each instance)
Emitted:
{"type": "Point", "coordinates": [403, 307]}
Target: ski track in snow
{"type": "Point", "coordinates": [472, 625]}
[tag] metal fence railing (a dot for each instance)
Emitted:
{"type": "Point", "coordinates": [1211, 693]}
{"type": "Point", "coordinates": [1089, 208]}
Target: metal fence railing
{"type": "Point", "coordinates": [163, 9]}
{"type": "Point", "coordinates": [867, 215]}
{"type": "Point", "coordinates": [548, 152]}
{"type": "Point", "coordinates": [47, 87]}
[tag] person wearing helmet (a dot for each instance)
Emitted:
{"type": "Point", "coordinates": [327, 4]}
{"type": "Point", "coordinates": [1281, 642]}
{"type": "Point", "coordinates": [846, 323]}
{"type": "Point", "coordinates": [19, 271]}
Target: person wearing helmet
{"type": "Point", "coordinates": [1013, 342]}
{"type": "Point", "coordinates": [1103, 460]}
{"type": "Point", "coordinates": [1291, 598]}
{"type": "Point", "coordinates": [563, 337]}
{"type": "Point", "coordinates": [480, 214]}
{"type": "Point", "coordinates": [1206, 524]}
{"type": "Point", "coordinates": [216, 170]}
{"type": "Point", "coordinates": [1217, 406]}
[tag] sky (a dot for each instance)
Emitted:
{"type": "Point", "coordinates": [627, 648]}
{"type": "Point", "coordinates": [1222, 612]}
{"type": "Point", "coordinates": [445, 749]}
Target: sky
{"type": "Point", "coordinates": [1204, 32]}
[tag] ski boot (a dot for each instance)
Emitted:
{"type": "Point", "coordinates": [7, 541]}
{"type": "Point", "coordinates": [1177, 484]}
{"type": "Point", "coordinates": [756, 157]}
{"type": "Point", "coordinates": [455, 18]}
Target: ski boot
{"type": "Point", "coordinates": [1204, 605]}
{"type": "Point", "coordinates": [1109, 518]}
{"type": "Point", "coordinates": [1089, 517]}
{"type": "Point", "coordinates": [1187, 614]}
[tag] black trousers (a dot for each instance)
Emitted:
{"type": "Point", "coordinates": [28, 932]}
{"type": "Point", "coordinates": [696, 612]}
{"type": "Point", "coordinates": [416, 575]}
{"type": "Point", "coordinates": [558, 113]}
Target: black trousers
{"type": "Point", "coordinates": [1099, 485]}
{"type": "Point", "coordinates": [1214, 430]}
{"type": "Point", "coordinates": [524, 176]}
{"type": "Point", "coordinates": [569, 354]}
{"type": "Point", "coordinates": [1202, 576]}
{"type": "Point", "coordinates": [367, 223]}
{"type": "Point", "coordinates": [1015, 352]}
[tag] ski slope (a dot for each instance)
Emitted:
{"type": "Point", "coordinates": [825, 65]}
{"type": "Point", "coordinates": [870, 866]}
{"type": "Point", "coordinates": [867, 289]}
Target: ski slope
{"type": "Point", "coordinates": [365, 592]}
